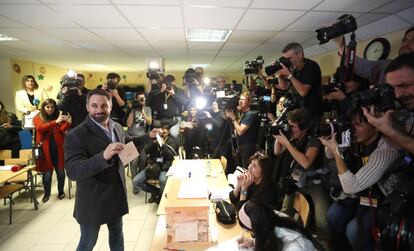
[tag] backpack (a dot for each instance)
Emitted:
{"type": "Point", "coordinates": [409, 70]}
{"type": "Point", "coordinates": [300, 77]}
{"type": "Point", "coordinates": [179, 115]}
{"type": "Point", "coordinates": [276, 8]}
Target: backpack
{"type": "Point", "coordinates": [225, 212]}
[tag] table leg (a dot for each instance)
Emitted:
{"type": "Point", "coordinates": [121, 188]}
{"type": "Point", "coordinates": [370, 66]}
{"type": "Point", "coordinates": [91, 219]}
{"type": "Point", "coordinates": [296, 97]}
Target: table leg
{"type": "Point", "coordinates": [32, 189]}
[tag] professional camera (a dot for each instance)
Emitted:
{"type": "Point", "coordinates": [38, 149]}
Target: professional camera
{"type": "Point", "coordinates": [72, 84]}
{"type": "Point", "coordinates": [382, 97]}
{"type": "Point", "coordinates": [329, 128]}
{"type": "Point", "coordinates": [261, 104]}
{"type": "Point", "coordinates": [281, 122]}
{"type": "Point", "coordinates": [228, 103]}
{"type": "Point", "coordinates": [273, 68]}
{"type": "Point", "coordinates": [190, 75]}
{"type": "Point", "coordinates": [343, 25]}
{"type": "Point", "coordinates": [330, 87]}
{"type": "Point", "coordinates": [252, 67]}
{"type": "Point", "coordinates": [135, 104]}
{"type": "Point", "coordinates": [153, 74]}
{"type": "Point", "coordinates": [112, 85]}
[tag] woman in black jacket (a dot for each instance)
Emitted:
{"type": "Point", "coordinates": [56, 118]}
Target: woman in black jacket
{"type": "Point", "coordinates": [256, 183]}
{"type": "Point", "coordinates": [9, 128]}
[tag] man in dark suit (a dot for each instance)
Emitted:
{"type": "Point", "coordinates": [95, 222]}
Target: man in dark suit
{"type": "Point", "coordinates": [91, 159]}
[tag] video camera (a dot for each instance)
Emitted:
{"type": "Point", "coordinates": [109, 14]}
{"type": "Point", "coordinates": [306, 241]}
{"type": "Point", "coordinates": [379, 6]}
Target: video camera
{"type": "Point", "coordinates": [273, 68]}
{"type": "Point", "coordinates": [252, 67]}
{"type": "Point", "coordinates": [382, 97]}
{"type": "Point", "coordinates": [228, 103]}
{"type": "Point", "coordinates": [71, 83]}
{"type": "Point", "coordinates": [343, 25]}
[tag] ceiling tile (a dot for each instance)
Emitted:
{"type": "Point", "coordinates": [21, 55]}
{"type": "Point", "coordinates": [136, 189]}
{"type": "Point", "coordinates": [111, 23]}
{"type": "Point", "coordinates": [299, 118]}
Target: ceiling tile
{"type": "Point", "coordinates": [230, 53]}
{"type": "Point", "coordinates": [285, 37]}
{"type": "Point", "coordinates": [407, 15]}
{"type": "Point", "coordinates": [250, 36]}
{"type": "Point", "coordinates": [240, 46]}
{"type": "Point", "coordinates": [131, 45]}
{"type": "Point", "coordinates": [96, 46]}
{"type": "Point", "coordinates": [6, 22]}
{"type": "Point", "coordinates": [211, 18]}
{"type": "Point", "coordinates": [169, 52]}
{"type": "Point", "coordinates": [395, 6]}
{"type": "Point", "coordinates": [154, 35]}
{"type": "Point", "coordinates": [218, 3]}
{"type": "Point", "coordinates": [119, 34]}
{"type": "Point", "coordinates": [314, 20]}
{"type": "Point", "coordinates": [32, 35]}
{"type": "Point", "coordinates": [383, 26]}
{"type": "Point", "coordinates": [170, 45]}
{"type": "Point", "coordinates": [35, 16]}
{"type": "Point", "coordinates": [149, 2]}
{"type": "Point", "coordinates": [202, 52]}
{"type": "Point", "coordinates": [153, 16]}
{"type": "Point", "coordinates": [70, 2]}
{"type": "Point", "coordinates": [369, 18]}
{"type": "Point", "coordinates": [269, 19]}
{"type": "Point", "coordinates": [350, 5]}
{"type": "Point", "coordinates": [72, 34]}
{"type": "Point", "coordinates": [288, 5]}
{"type": "Point", "coordinates": [19, 2]}
{"type": "Point", "coordinates": [204, 45]}
{"type": "Point", "coordinates": [277, 47]}
{"type": "Point", "coordinates": [314, 50]}
{"type": "Point", "coordinates": [93, 15]}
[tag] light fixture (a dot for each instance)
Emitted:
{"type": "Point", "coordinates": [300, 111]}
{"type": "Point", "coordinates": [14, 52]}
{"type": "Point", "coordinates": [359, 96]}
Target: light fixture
{"type": "Point", "coordinates": [7, 38]}
{"type": "Point", "coordinates": [205, 35]}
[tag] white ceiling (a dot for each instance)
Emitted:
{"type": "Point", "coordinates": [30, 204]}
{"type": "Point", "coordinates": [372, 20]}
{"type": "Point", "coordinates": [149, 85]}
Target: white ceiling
{"type": "Point", "coordinates": [121, 35]}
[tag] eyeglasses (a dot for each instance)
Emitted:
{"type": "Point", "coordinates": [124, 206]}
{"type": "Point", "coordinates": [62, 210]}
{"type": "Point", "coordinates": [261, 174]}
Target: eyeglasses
{"type": "Point", "coordinates": [141, 99]}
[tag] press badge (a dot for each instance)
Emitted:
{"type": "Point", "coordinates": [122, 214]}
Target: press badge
{"type": "Point", "coordinates": [165, 106]}
{"type": "Point", "coordinates": [160, 160]}
{"type": "Point", "coordinates": [365, 201]}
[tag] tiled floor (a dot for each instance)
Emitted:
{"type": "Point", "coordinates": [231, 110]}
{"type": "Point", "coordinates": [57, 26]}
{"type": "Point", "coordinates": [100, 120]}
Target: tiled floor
{"type": "Point", "coordinates": [52, 227]}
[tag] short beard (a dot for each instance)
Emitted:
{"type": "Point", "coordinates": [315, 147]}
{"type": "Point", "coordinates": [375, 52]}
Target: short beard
{"type": "Point", "coordinates": [100, 119]}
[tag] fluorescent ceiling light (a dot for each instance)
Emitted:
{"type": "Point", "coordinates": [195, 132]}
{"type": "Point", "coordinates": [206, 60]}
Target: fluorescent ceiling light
{"type": "Point", "coordinates": [199, 65]}
{"type": "Point", "coordinates": [7, 38]}
{"type": "Point", "coordinates": [204, 35]}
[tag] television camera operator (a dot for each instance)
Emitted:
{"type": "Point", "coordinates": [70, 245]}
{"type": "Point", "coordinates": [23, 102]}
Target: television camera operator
{"type": "Point", "coordinates": [118, 97]}
{"type": "Point", "coordinates": [72, 97]}
{"type": "Point", "coordinates": [246, 128]}
{"type": "Point", "coordinates": [168, 104]}
{"type": "Point", "coordinates": [303, 76]}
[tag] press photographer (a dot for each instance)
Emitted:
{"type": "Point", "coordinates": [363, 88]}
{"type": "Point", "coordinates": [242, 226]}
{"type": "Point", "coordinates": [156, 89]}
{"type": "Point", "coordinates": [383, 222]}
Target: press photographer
{"type": "Point", "coordinates": [118, 97]}
{"type": "Point", "coordinates": [304, 77]}
{"type": "Point", "coordinates": [246, 128]}
{"type": "Point", "coordinates": [193, 83]}
{"type": "Point", "coordinates": [72, 97]}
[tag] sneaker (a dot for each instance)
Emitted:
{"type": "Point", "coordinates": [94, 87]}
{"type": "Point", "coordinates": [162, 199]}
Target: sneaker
{"type": "Point", "coordinates": [153, 198]}
{"type": "Point", "coordinates": [61, 196]}
{"type": "Point", "coordinates": [45, 198]}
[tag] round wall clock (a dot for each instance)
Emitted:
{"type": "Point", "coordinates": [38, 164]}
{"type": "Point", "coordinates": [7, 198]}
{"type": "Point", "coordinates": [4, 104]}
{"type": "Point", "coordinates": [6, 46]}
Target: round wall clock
{"type": "Point", "coordinates": [377, 49]}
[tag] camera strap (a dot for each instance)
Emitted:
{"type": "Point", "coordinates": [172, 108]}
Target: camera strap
{"type": "Point", "coordinates": [348, 61]}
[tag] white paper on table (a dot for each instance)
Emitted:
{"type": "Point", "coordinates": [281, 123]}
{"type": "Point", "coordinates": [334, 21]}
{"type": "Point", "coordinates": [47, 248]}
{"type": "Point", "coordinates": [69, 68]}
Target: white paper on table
{"type": "Point", "coordinates": [218, 194]}
{"type": "Point", "coordinates": [128, 154]}
{"type": "Point", "coordinates": [182, 170]}
{"type": "Point", "coordinates": [6, 168]}
{"type": "Point", "coordinates": [193, 189]}
{"type": "Point", "coordinates": [229, 245]}
{"type": "Point", "coordinates": [186, 231]}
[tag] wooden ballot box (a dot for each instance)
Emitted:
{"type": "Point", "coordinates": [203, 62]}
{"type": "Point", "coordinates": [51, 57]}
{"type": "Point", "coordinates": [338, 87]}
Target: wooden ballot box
{"type": "Point", "coordinates": [187, 213]}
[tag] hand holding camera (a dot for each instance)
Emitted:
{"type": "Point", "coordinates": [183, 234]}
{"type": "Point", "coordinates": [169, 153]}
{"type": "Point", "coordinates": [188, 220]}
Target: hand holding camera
{"type": "Point", "coordinates": [329, 142]}
{"type": "Point", "coordinates": [337, 94]}
{"type": "Point", "coordinates": [230, 114]}
{"type": "Point", "coordinates": [281, 138]}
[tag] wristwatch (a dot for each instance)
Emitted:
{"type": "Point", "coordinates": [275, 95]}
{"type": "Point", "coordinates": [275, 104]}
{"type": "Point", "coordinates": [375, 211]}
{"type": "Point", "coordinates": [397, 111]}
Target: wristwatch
{"type": "Point", "coordinates": [289, 76]}
{"type": "Point", "coordinates": [244, 192]}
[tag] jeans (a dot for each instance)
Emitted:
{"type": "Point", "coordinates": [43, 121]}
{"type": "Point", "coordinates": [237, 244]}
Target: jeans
{"type": "Point", "coordinates": [139, 182]}
{"type": "Point", "coordinates": [89, 235]}
{"type": "Point", "coordinates": [47, 180]}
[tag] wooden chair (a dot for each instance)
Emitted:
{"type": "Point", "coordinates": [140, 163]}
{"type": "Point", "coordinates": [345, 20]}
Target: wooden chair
{"type": "Point", "coordinates": [302, 208]}
{"type": "Point", "coordinates": [22, 179]}
{"type": "Point", "coordinates": [6, 192]}
{"type": "Point", "coordinates": [28, 154]}
{"type": "Point", "coordinates": [223, 161]}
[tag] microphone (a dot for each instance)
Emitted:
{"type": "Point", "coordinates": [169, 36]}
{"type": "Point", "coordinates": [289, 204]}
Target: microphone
{"type": "Point", "coordinates": [36, 102]}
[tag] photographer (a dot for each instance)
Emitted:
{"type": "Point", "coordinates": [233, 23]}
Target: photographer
{"type": "Point", "coordinates": [374, 71]}
{"type": "Point", "coordinates": [193, 83]}
{"type": "Point", "coordinates": [305, 78]}
{"type": "Point", "coordinates": [246, 128]}
{"type": "Point", "coordinates": [351, 217]}
{"type": "Point", "coordinates": [139, 121]}
{"type": "Point", "coordinates": [118, 97]}
{"type": "Point", "coordinates": [168, 104]}
{"type": "Point", "coordinates": [72, 98]}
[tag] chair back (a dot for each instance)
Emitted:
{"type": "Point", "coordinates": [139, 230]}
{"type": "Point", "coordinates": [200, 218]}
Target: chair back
{"type": "Point", "coordinates": [16, 161]}
{"type": "Point", "coordinates": [302, 207]}
{"type": "Point", "coordinates": [223, 161]}
{"type": "Point", "coordinates": [5, 154]}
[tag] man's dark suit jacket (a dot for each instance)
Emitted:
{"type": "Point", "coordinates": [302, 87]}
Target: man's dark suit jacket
{"type": "Point", "coordinates": [101, 192]}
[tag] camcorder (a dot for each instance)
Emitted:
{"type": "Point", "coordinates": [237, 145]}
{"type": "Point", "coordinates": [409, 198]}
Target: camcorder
{"type": "Point", "coordinates": [228, 103]}
{"type": "Point", "coordinates": [343, 25]}
{"type": "Point", "coordinates": [72, 84]}
{"type": "Point", "coordinates": [273, 68]}
{"type": "Point", "coordinates": [261, 104]}
{"type": "Point", "coordinates": [253, 67]}
{"type": "Point", "coordinates": [112, 85]}
{"type": "Point", "coordinates": [382, 97]}
{"type": "Point", "coordinates": [190, 75]}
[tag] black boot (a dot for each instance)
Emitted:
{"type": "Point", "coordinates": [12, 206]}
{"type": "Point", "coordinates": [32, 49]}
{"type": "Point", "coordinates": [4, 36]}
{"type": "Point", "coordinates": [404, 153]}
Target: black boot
{"type": "Point", "coordinates": [153, 198]}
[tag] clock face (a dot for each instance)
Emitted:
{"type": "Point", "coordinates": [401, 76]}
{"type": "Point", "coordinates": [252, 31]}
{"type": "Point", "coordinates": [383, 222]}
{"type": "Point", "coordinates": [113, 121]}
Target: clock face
{"type": "Point", "coordinates": [374, 51]}
{"type": "Point", "coordinates": [378, 48]}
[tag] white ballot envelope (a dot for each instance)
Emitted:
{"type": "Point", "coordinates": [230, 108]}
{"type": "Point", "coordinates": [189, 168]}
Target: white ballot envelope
{"type": "Point", "coordinates": [129, 153]}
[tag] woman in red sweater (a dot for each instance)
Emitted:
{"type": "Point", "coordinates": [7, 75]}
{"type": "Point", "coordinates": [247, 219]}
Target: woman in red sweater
{"type": "Point", "coordinates": [51, 128]}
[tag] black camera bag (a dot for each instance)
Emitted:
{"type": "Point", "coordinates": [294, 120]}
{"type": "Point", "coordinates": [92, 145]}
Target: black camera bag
{"type": "Point", "coordinates": [225, 212]}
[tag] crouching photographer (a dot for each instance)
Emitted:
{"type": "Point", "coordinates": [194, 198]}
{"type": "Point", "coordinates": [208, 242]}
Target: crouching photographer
{"type": "Point", "coordinates": [300, 156]}
{"type": "Point", "coordinates": [72, 97]}
{"type": "Point", "coordinates": [351, 216]}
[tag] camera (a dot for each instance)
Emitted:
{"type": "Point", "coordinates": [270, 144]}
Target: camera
{"type": "Point", "coordinates": [112, 85]}
{"type": "Point", "coordinates": [343, 25]}
{"type": "Point", "coordinates": [281, 123]}
{"type": "Point", "coordinates": [283, 126]}
{"type": "Point", "coordinates": [228, 103]}
{"type": "Point", "coordinates": [329, 128]}
{"type": "Point", "coordinates": [190, 75]}
{"type": "Point", "coordinates": [72, 84]}
{"type": "Point", "coordinates": [135, 104]}
{"type": "Point", "coordinates": [273, 68]}
{"type": "Point", "coordinates": [330, 87]}
{"type": "Point", "coordinates": [153, 74]}
{"type": "Point", "coordinates": [252, 67]}
{"type": "Point", "coordinates": [382, 97]}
